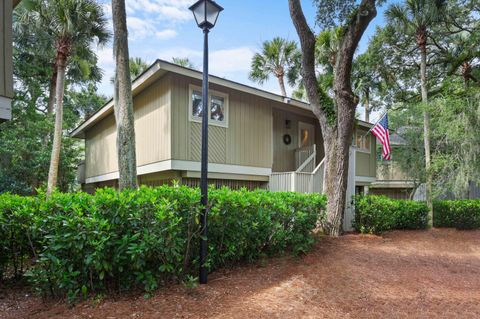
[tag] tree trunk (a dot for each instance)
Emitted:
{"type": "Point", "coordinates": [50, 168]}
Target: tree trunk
{"type": "Point", "coordinates": [426, 132]}
{"type": "Point", "coordinates": [367, 104]}
{"type": "Point", "coordinates": [123, 102]}
{"type": "Point", "coordinates": [336, 121]}
{"type": "Point", "coordinates": [336, 179]}
{"type": "Point", "coordinates": [57, 134]}
{"type": "Point", "coordinates": [52, 89]}
{"type": "Point", "coordinates": [281, 82]}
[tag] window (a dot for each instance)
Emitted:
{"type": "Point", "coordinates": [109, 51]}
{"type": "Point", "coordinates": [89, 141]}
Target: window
{"type": "Point", "coordinates": [303, 137]}
{"type": "Point", "coordinates": [362, 142]}
{"type": "Point", "coordinates": [196, 104]}
{"type": "Point", "coordinates": [218, 111]}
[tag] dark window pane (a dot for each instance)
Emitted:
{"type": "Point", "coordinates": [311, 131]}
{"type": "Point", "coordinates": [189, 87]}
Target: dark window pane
{"type": "Point", "coordinates": [217, 108]}
{"type": "Point", "coordinates": [196, 104]}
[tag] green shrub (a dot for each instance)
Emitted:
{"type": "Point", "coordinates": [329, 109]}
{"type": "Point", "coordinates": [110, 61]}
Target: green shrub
{"type": "Point", "coordinates": [18, 233]}
{"type": "Point", "coordinates": [377, 214]}
{"type": "Point", "coordinates": [145, 238]}
{"type": "Point", "coordinates": [461, 214]}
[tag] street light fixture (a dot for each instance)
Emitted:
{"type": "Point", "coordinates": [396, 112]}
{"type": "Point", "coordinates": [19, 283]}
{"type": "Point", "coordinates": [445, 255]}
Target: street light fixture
{"type": "Point", "coordinates": [206, 14]}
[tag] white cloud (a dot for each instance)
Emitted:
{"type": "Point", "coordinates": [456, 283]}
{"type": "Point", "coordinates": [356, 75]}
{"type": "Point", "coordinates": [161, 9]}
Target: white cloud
{"type": "Point", "coordinates": [139, 28]}
{"type": "Point", "coordinates": [173, 10]}
{"type": "Point", "coordinates": [166, 34]}
{"type": "Point", "coordinates": [231, 60]}
{"type": "Point", "coordinates": [175, 13]}
{"type": "Point", "coordinates": [105, 56]}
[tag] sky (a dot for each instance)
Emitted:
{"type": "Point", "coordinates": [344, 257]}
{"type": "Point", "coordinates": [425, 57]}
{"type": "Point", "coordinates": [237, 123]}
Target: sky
{"type": "Point", "coordinates": [165, 29]}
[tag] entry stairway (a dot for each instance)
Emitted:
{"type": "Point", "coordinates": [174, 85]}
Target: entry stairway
{"type": "Point", "coordinates": [307, 178]}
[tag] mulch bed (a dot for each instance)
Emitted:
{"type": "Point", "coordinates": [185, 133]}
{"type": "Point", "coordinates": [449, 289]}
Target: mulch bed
{"type": "Point", "coordinates": [403, 274]}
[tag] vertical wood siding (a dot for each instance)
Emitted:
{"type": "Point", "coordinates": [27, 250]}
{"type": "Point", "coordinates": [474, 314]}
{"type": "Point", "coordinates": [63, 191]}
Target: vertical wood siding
{"type": "Point", "coordinates": [6, 68]}
{"type": "Point", "coordinates": [366, 162]}
{"type": "Point", "coordinates": [247, 139]}
{"type": "Point", "coordinates": [283, 154]}
{"type": "Point", "coordinates": [152, 132]}
{"type": "Point", "coordinates": [101, 148]}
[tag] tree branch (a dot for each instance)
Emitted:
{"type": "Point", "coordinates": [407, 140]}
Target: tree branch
{"type": "Point", "coordinates": [353, 33]}
{"type": "Point", "coordinates": [307, 42]}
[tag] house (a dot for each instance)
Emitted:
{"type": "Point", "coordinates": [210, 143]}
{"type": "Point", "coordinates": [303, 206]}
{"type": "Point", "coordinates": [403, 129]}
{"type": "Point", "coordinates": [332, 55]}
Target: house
{"type": "Point", "coordinates": [257, 139]}
{"type": "Point", "coordinates": [397, 183]}
{"type": "Point", "coordinates": [391, 180]}
{"type": "Point", "coordinates": [6, 64]}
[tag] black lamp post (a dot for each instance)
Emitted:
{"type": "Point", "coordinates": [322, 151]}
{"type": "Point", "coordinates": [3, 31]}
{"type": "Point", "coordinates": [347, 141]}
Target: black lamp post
{"type": "Point", "coordinates": [206, 13]}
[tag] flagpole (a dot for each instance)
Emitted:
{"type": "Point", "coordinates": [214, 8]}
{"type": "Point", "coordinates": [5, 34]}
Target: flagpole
{"type": "Point", "coordinates": [384, 114]}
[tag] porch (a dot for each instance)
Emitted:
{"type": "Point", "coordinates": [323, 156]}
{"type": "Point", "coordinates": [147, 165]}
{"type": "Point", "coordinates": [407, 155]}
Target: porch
{"type": "Point", "coordinates": [307, 177]}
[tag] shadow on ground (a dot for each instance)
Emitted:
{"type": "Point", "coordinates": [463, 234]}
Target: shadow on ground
{"type": "Point", "coordinates": [404, 274]}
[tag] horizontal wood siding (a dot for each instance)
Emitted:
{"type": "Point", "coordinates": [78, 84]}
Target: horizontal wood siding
{"type": "Point", "coordinates": [152, 132]}
{"type": "Point", "coordinates": [6, 68]}
{"type": "Point", "coordinates": [247, 139]}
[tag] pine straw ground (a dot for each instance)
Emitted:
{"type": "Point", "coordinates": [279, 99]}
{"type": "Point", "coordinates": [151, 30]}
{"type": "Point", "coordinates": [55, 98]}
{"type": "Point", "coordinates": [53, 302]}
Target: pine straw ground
{"type": "Point", "coordinates": [404, 274]}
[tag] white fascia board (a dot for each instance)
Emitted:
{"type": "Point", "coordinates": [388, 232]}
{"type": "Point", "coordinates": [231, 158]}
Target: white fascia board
{"type": "Point", "coordinates": [178, 165]}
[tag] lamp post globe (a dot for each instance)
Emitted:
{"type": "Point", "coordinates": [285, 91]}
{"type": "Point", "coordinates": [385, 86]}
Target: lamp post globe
{"type": "Point", "coordinates": [206, 14]}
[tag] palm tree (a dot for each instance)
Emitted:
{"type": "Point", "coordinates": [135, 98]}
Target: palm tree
{"type": "Point", "coordinates": [30, 33]}
{"type": "Point", "coordinates": [326, 47]}
{"type": "Point", "coordinates": [123, 100]}
{"type": "Point", "coordinates": [365, 80]}
{"type": "Point", "coordinates": [279, 57]}
{"type": "Point", "coordinates": [73, 26]}
{"type": "Point", "coordinates": [465, 50]}
{"type": "Point", "coordinates": [417, 17]}
{"type": "Point", "coordinates": [185, 62]}
{"type": "Point", "coordinates": [137, 66]}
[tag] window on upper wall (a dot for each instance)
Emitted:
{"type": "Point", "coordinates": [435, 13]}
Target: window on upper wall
{"type": "Point", "coordinates": [362, 142]}
{"type": "Point", "coordinates": [218, 110]}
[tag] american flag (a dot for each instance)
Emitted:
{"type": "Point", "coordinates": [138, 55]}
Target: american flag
{"type": "Point", "coordinates": [380, 130]}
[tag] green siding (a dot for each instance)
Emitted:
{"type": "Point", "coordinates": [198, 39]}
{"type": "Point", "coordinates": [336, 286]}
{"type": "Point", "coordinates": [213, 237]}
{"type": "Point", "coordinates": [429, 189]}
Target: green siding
{"type": "Point", "coordinates": [366, 162]}
{"type": "Point", "coordinates": [247, 139]}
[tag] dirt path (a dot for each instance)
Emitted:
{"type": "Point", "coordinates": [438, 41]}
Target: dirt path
{"type": "Point", "coordinates": [434, 274]}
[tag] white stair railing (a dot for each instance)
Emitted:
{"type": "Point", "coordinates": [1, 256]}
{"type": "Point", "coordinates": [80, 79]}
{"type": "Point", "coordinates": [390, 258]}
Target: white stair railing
{"type": "Point", "coordinates": [318, 174]}
{"type": "Point", "coordinates": [301, 182]}
{"type": "Point", "coordinates": [305, 158]}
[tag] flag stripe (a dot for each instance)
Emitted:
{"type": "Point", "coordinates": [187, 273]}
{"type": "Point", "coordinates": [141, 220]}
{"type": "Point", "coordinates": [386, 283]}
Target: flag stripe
{"type": "Point", "coordinates": [380, 130]}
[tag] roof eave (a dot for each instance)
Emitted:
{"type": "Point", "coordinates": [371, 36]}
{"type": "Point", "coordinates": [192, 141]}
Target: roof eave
{"type": "Point", "coordinates": [152, 73]}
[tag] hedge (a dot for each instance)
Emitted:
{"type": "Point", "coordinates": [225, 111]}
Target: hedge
{"type": "Point", "coordinates": [377, 214]}
{"type": "Point", "coordinates": [461, 214]}
{"type": "Point", "coordinates": [81, 244]}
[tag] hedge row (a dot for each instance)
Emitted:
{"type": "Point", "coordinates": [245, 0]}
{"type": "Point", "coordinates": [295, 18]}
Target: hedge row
{"type": "Point", "coordinates": [376, 214]}
{"type": "Point", "coordinates": [461, 214]}
{"type": "Point", "coordinates": [81, 244]}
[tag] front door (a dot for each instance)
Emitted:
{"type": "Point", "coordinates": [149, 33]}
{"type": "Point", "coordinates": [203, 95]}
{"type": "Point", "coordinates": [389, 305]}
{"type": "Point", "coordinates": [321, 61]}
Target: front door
{"type": "Point", "coordinates": [306, 134]}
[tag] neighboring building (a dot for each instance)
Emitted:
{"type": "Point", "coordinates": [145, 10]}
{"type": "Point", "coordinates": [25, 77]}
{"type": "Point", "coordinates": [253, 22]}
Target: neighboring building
{"type": "Point", "coordinates": [256, 139]}
{"type": "Point", "coordinates": [6, 63]}
{"type": "Point", "coordinates": [392, 181]}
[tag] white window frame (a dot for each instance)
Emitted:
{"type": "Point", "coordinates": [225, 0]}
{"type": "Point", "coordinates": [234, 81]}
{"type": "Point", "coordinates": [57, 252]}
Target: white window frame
{"type": "Point", "coordinates": [363, 147]}
{"type": "Point", "coordinates": [211, 93]}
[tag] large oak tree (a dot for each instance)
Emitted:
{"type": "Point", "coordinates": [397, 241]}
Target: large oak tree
{"type": "Point", "coordinates": [336, 117]}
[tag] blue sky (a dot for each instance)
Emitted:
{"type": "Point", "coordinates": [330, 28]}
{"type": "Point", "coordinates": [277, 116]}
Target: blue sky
{"type": "Point", "coordinates": [165, 29]}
